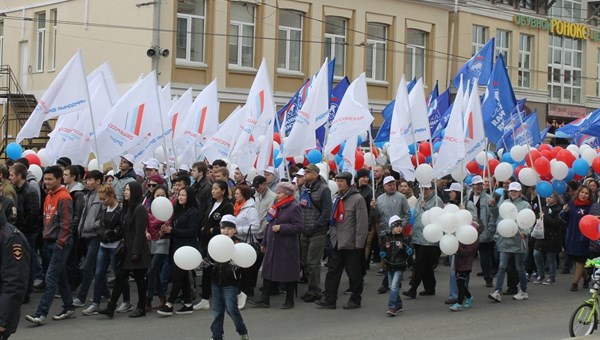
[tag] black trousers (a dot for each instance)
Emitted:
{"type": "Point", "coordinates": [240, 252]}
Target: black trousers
{"type": "Point", "coordinates": [349, 260]}
{"type": "Point", "coordinates": [4, 335]}
{"type": "Point", "coordinates": [139, 275]}
{"type": "Point", "coordinates": [206, 282]}
{"type": "Point", "coordinates": [487, 258]}
{"type": "Point", "coordinates": [512, 277]}
{"type": "Point", "coordinates": [250, 275]}
{"type": "Point", "coordinates": [462, 282]}
{"type": "Point", "coordinates": [181, 283]}
{"type": "Point", "coordinates": [425, 259]}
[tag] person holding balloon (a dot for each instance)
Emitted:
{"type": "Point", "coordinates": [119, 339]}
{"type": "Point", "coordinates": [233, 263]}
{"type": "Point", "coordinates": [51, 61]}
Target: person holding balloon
{"type": "Point", "coordinates": [248, 225]}
{"type": "Point", "coordinates": [577, 244]}
{"type": "Point", "coordinates": [184, 232]}
{"type": "Point", "coordinates": [463, 264]}
{"type": "Point", "coordinates": [159, 250]}
{"type": "Point", "coordinates": [545, 249]}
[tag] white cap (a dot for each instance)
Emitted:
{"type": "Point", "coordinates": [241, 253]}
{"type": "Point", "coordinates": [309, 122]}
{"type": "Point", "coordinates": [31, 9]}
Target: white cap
{"type": "Point", "coordinates": [139, 172]}
{"type": "Point", "coordinates": [270, 170]}
{"type": "Point", "coordinates": [152, 164]}
{"type": "Point", "coordinates": [388, 179]}
{"type": "Point", "coordinates": [477, 180]}
{"type": "Point", "coordinates": [128, 157]}
{"type": "Point", "coordinates": [454, 187]}
{"type": "Point", "coordinates": [300, 172]}
{"type": "Point", "coordinates": [151, 159]}
{"type": "Point", "coordinates": [228, 221]}
{"type": "Point", "coordinates": [425, 185]}
{"type": "Point", "coordinates": [110, 173]}
{"type": "Point", "coordinates": [295, 180]}
{"type": "Point", "coordinates": [184, 167]}
{"type": "Point", "coordinates": [514, 186]}
{"type": "Point", "coordinates": [393, 219]}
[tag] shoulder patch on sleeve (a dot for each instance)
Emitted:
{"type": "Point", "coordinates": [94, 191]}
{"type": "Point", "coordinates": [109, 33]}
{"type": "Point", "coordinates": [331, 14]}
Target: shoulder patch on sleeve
{"type": "Point", "coordinates": [17, 251]}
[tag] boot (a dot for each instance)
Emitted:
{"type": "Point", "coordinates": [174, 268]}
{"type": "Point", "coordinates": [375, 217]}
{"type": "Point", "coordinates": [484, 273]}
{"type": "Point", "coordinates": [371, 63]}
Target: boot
{"type": "Point", "coordinates": [109, 310]}
{"type": "Point", "coordinates": [163, 301]}
{"type": "Point", "coordinates": [148, 304]}
{"type": "Point", "coordinates": [138, 312]}
{"type": "Point", "coordinates": [289, 295]}
{"type": "Point", "coordinates": [265, 300]}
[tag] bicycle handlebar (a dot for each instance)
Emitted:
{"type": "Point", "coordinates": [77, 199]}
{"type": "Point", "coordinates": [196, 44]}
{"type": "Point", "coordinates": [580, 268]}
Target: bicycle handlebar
{"type": "Point", "coordinates": [592, 263]}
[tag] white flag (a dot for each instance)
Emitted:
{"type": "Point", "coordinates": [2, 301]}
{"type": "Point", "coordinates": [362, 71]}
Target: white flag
{"type": "Point", "coordinates": [67, 93]}
{"type": "Point", "coordinates": [398, 148]}
{"type": "Point", "coordinates": [105, 73]}
{"type": "Point", "coordinates": [353, 115]}
{"type": "Point", "coordinates": [473, 125]}
{"type": "Point", "coordinates": [313, 113]}
{"type": "Point", "coordinates": [418, 112]}
{"type": "Point", "coordinates": [349, 155]}
{"type": "Point", "coordinates": [219, 145]}
{"type": "Point", "coordinates": [264, 158]}
{"type": "Point", "coordinates": [133, 117]}
{"type": "Point", "coordinates": [452, 150]}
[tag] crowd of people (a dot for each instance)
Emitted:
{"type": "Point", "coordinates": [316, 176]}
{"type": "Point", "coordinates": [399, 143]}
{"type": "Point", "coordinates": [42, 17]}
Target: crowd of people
{"type": "Point", "coordinates": [77, 223]}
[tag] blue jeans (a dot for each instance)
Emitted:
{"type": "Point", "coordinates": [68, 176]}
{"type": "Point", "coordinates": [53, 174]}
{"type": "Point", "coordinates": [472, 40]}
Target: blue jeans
{"type": "Point", "coordinates": [56, 277]}
{"type": "Point", "coordinates": [89, 266]}
{"type": "Point", "coordinates": [452, 285]}
{"type": "Point", "coordinates": [225, 299]}
{"type": "Point", "coordinates": [504, 257]}
{"type": "Point", "coordinates": [154, 282]}
{"type": "Point", "coordinates": [106, 256]}
{"type": "Point", "coordinates": [543, 258]}
{"type": "Point", "coordinates": [395, 283]}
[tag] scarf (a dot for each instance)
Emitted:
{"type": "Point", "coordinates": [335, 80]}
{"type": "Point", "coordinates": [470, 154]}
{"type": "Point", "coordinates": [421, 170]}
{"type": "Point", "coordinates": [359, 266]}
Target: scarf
{"type": "Point", "coordinates": [337, 211]}
{"type": "Point", "coordinates": [273, 212]}
{"type": "Point", "coordinates": [237, 207]}
{"type": "Point", "coordinates": [580, 203]}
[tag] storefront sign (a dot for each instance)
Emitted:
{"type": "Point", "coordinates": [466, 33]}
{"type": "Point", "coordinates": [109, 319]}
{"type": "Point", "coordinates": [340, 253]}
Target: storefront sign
{"type": "Point", "coordinates": [558, 27]}
{"type": "Point", "coordinates": [566, 111]}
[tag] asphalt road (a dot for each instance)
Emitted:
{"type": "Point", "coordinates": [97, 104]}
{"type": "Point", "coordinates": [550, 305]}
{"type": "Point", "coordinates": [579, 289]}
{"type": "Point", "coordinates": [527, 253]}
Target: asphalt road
{"type": "Point", "coordinates": [544, 316]}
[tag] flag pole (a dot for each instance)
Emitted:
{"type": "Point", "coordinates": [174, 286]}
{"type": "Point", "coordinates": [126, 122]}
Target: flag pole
{"type": "Point", "coordinates": [371, 146]}
{"type": "Point", "coordinates": [282, 135]}
{"type": "Point", "coordinates": [87, 91]}
{"type": "Point", "coordinates": [162, 127]}
{"type": "Point", "coordinates": [527, 135]}
{"type": "Point", "coordinates": [487, 165]}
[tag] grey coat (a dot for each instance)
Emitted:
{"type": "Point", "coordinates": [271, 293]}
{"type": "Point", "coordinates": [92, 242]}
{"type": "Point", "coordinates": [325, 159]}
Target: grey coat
{"type": "Point", "coordinates": [487, 216]}
{"type": "Point", "coordinates": [417, 229]}
{"type": "Point", "coordinates": [388, 206]}
{"type": "Point", "coordinates": [352, 232]}
{"type": "Point", "coordinates": [88, 224]}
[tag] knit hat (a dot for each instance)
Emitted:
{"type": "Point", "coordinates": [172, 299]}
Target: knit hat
{"type": "Point", "coordinates": [395, 221]}
{"type": "Point", "coordinates": [285, 187]}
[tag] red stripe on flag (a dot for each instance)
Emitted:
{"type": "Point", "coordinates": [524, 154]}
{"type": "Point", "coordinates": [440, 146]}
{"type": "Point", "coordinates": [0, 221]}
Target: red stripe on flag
{"type": "Point", "coordinates": [138, 122]}
{"type": "Point", "coordinates": [262, 101]}
{"type": "Point", "coordinates": [174, 123]}
{"type": "Point", "coordinates": [202, 119]}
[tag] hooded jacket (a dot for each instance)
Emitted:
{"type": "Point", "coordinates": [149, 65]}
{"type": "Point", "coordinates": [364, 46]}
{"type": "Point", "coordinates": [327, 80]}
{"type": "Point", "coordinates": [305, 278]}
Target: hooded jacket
{"type": "Point", "coordinates": [388, 206]}
{"type": "Point", "coordinates": [77, 191]}
{"type": "Point", "coordinates": [122, 180]}
{"type": "Point", "coordinates": [247, 222]}
{"type": "Point", "coordinates": [513, 244]}
{"type": "Point", "coordinates": [487, 216]}
{"type": "Point", "coordinates": [58, 215]}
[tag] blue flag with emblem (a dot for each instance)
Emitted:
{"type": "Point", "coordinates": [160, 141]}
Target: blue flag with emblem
{"type": "Point", "coordinates": [437, 108]}
{"type": "Point", "coordinates": [479, 66]}
{"type": "Point", "coordinates": [337, 93]}
{"type": "Point", "coordinates": [498, 102]}
{"type": "Point", "coordinates": [526, 133]}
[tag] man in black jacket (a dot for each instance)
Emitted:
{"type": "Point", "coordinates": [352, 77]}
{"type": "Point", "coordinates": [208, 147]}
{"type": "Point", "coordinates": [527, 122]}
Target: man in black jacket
{"type": "Point", "coordinates": [14, 266]}
{"type": "Point", "coordinates": [202, 187]}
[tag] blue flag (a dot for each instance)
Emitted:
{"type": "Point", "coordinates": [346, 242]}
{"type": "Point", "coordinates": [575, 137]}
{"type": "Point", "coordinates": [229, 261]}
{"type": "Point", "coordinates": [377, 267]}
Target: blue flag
{"type": "Point", "coordinates": [383, 135]}
{"type": "Point", "coordinates": [544, 132]}
{"type": "Point", "coordinates": [592, 125]}
{"type": "Point", "coordinates": [436, 134]}
{"type": "Point", "coordinates": [437, 108]}
{"type": "Point", "coordinates": [526, 133]}
{"type": "Point", "coordinates": [581, 139]}
{"type": "Point", "coordinates": [411, 84]}
{"type": "Point", "coordinates": [498, 102]}
{"type": "Point", "coordinates": [479, 66]}
{"type": "Point", "coordinates": [334, 102]}
{"type": "Point", "coordinates": [579, 125]}
{"type": "Point", "coordinates": [434, 94]}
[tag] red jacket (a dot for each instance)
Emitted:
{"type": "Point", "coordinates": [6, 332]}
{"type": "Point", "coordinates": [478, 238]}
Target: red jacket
{"type": "Point", "coordinates": [58, 212]}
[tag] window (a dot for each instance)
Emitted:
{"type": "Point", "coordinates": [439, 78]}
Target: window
{"type": "Point", "coordinates": [415, 56]}
{"type": "Point", "coordinates": [241, 34]}
{"type": "Point", "coordinates": [335, 43]}
{"type": "Point", "coordinates": [190, 31]}
{"type": "Point", "coordinates": [503, 44]}
{"type": "Point", "coordinates": [564, 69]}
{"type": "Point", "coordinates": [376, 51]}
{"type": "Point", "coordinates": [505, 2]}
{"type": "Point", "coordinates": [290, 41]}
{"type": "Point", "coordinates": [527, 4]}
{"type": "Point", "coordinates": [567, 10]}
{"type": "Point", "coordinates": [480, 37]}
{"type": "Point", "coordinates": [40, 40]}
{"type": "Point", "coordinates": [1, 40]}
{"type": "Point", "coordinates": [53, 35]}
{"type": "Point", "coordinates": [525, 49]}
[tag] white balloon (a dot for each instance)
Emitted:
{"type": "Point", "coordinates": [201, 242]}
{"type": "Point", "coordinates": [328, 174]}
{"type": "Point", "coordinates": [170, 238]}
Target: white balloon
{"type": "Point", "coordinates": [451, 208]}
{"type": "Point", "coordinates": [508, 210]}
{"type": "Point", "coordinates": [161, 208]}
{"type": "Point", "coordinates": [573, 148]}
{"type": "Point", "coordinates": [93, 165]}
{"type": "Point", "coordinates": [221, 248]}
{"type": "Point", "coordinates": [559, 169]}
{"type": "Point", "coordinates": [464, 217]}
{"type": "Point", "coordinates": [449, 244]}
{"type": "Point", "coordinates": [459, 174]}
{"type": "Point", "coordinates": [369, 159]}
{"type": "Point", "coordinates": [434, 214]}
{"type": "Point", "coordinates": [36, 171]}
{"type": "Point", "coordinates": [575, 153]}
{"type": "Point", "coordinates": [385, 148]}
{"type": "Point", "coordinates": [28, 152]}
{"type": "Point", "coordinates": [584, 147]}
{"type": "Point", "coordinates": [160, 155]}
{"type": "Point", "coordinates": [500, 152]}
{"type": "Point", "coordinates": [187, 258]}
{"type": "Point", "coordinates": [333, 187]}
{"type": "Point", "coordinates": [526, 219]}
{"type": "Point", "coordinates": [449, 222]}
{"type": "Point", "coordinates": [518, 152]}
{"type": "Point", "coordinates": [323, 169]}
{"type": "Point", "coordinates": [507, 228]}
{"type": "Point", "coordinates": [43, 156]}
{"type": "Point", "coordinates": [589, 155]}
{"type": "Point", "coordinates": [433, 233]}
{"type": "Point", "coordinates": [243, 255]}
{"type": "Point", "coordinates": [528, 177]}
{"type": "Point", "coordinates": [424, 173]}
{"type": "Point", "coordinates": [467, 234]}
{"type": "Point", "coordinates": [364, 136]}
{"type": "Point", "coordinates": [425, 220]}
{"type": "Point", "coordinates": [481, 158]}
{"type": "Point", "coordinates": [503, 171]}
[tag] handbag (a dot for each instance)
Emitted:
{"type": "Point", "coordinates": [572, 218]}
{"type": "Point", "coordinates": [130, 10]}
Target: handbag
{"type": "Point", "coordinates": [120, 253]}
{"type": "Point", "coordinates": [538, 230]}
{"type": "Point", "coordinates": [251, 240]}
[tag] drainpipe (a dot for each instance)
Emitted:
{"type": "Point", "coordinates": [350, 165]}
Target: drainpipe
{"type": "Point", "coordinates": [156, 37]}
{"type": "Point", "coordinates": [451, 46]}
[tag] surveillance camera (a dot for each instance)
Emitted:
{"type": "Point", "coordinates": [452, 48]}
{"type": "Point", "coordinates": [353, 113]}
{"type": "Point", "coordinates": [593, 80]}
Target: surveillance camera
{"type": "Point", "coordinates": [165, 53]}
{"type": "Point", "coordinates": [151, 52]}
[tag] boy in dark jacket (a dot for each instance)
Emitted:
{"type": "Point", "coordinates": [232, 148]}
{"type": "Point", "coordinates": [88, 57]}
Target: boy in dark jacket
{"type": "Point", "coordinates": [225, 285]}
{"type": "Point", "coordinates": [395, 254]}
{"type": "Point", "coordinates": [463, 264]}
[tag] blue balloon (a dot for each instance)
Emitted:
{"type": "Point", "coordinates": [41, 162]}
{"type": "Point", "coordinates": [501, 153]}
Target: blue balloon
{"type": "Point", "coordinates": [314, 156]}
{"type": "Point", "coordinates": [411, 221]}
{"type": "Point", "coordinates": [428, 159]}
{"type": "Point", "coordinates": [14, 150]}
{"type": "Point", "coordinates": [570, 175]}
{"type": "Point", "coordinates": [277, 162]}
{"type": "Point", "coordinates": [436, 146]}
{"type": "Point", "coordinates": [506, 158]}
{"type": "Point", "coordinates": [499, 191]}
{"type": "Point", "coordinates": [559, 186]}
{"type": "Point", "coordinates": [411, 149]}
{"type": "Point", "coordinates": [544, 189]}
{"type": "Point", "coordinates": [581, 167]}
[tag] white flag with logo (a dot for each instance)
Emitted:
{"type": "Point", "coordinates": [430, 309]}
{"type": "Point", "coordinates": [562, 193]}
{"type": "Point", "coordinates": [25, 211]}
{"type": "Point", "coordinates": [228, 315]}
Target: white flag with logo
{"type": "Point", "coordinates": [452, 150]}
{"type": "Point", "coordinates": [353, 115]}
{"type": "Point", "coordinates": [67, 93]}
{"type": "Point", "coordinates": [418, 112]}
{"type": "Point", "coordinates": [473, 125]}
{"type": "Point", "coordinates": [105, 73]}
{"type": "Point", "coordinates": [220, 144]}
{"type": "Point", "coordinates": [398, 148]}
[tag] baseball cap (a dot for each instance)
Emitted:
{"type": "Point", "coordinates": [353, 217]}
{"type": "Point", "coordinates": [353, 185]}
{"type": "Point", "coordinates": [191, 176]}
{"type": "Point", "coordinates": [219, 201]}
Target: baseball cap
{"type": "Point", "coordinates": [514, 186]}
{"type": "Point", "coordinates": [454, 187]}
{"type": "Point", "coordinates": [258, 180]}
{"type": "Point", "coordinates": [388, 179]}
{"type": "Point", "coordinates": [313, 168]}
{"type": "Point", "coordinates": [128, 157]}
{"type": "Point", "coordinates": [425, 185]}
{"type": "Point", "coordinates": [300, 172]}
{"type": "Point", "coordinates": [152, 164]}
{"type": "Point", "coordinates": [228, 221]}
{"type": "Point", "coordinates": [477, 180]}
{"type": "Point", "coordinates": [184, 167]}
{"type": "Point", "coordinates": [270, 170]}
{"type": "Point", "coordinates": [394, 219]}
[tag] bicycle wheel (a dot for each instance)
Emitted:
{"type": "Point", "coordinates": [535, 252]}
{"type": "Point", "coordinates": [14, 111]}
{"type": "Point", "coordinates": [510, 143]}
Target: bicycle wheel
{"type": "Point", "coordinates": [583, 320]}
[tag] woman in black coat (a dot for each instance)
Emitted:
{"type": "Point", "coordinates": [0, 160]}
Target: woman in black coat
{"type": "Point", "coordinates": [545, 249]}
{"type": "Point", "coordinates": [136, 255]}
{"type": "Point", "coordinates": [221, 206]}
{"type": "Point", "coordinates": [184, 232]}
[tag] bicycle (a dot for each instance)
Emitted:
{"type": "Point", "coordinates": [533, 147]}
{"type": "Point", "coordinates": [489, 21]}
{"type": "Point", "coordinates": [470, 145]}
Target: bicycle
{"type": "Point", "coordinates": [585, 318]}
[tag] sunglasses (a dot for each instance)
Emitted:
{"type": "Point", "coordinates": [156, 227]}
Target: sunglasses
{"type": "Point", "coordinates": [152, 185]}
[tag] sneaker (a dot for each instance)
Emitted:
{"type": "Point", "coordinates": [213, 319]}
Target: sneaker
{"type": "Point", "coordinates": [78, 303]}
{"type": "Point", "coordinates": [457, 307]}
{"type": "Point", "coordinates": [468, 302]}
{"type": "Point", "coordinates": [37, 320]}
{"type": "Point", "coordinates": [245, 337]}
{"type": "Point", "coordinates": [392, 312]}
{"type": "Point", "coordinates": [103, 299]}
{"type": "Point", "coordinates": [495, 296]}
{"type": "Point", "coordinates": [64, 315]}
{"type": "Point", "coordinates": [185, 310]}
{"type": "Point", "coordinates": [351, 305]}
{"type": "Point", "coordinates": [91, 310]}
{"type": "Point", "coordinates": [204, 305]}
{"type": "Point", "coordinates": [165, 310]}
{"type": "Point", "coordinates": [549, 282]}
{"type": "Point", "coordinates": [124, 308]}
{"type": "Point", "coordinates": [380, 290]}
{"type": "Point", "coordinates": [521, 295]}
{"type": "Point", "coordinates": [241, 298]}
{"type": "Point", "coordinates": [349, 291]}
{"type": "Point", "coordinates": [538, 280]}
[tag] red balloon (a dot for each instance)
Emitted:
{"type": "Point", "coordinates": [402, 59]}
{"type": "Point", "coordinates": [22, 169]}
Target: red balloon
{"type": "Point", "coordinates": [542, 166]}
{"type": "Point", "coordinates": [336, 150]}
{"type": "Point", "coordinates": [493, 163]}
{"type": "Point", "coordinates": [421, 159]}
{"type": "Point", "coordinates": [532, 156]}
{"type": "Point", "coordinates": [33, 159]}
{"type": "Point", "coordinates": [566, 156]}
{"type": "Point", "coordinates": [425, 149]}
{"type": "Point", "coordinates": [556, 150]}
{"type": "Point", "coordinates": [473, 167]}
{"type": "Point", "coordinates": [277, 137]}
{"type": "Point", "coordinates": [547, 154]}
{"type": "Point", "coordinates": [518, 169]}
{"type": "Point", "coordinates": [359, 159]}
{"type": "Point", "coordinates": [545, 147]}
{"type": "Point", "coordinates": [588, 225]}
{"type": "Point", "coordinates": [596, 165]}
{"type": "Point", "coordinates": [577, 177]}
{"type": "Point", "coordinates": [332, 165]}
